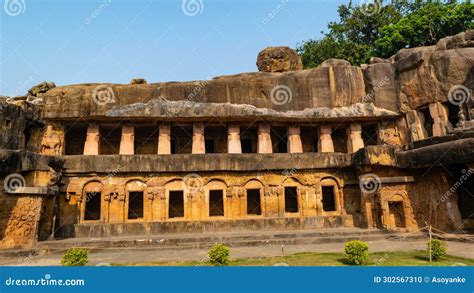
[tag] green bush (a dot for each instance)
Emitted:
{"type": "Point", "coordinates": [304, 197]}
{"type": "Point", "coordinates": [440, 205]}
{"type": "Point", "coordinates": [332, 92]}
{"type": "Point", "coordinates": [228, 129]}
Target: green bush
{"type": "Point", "coordinates": [438, 249]}
{"type": "Point", "coordinates": [356, 252]}
{"type": "Point", "coordinates": [219, 255]}
{"type": "Point", "coordinates": [75, 257]}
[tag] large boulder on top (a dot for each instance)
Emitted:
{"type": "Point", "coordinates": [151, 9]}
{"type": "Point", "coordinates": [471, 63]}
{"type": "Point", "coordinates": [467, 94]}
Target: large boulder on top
{"type": "Point", "coordinates": [279, 59]}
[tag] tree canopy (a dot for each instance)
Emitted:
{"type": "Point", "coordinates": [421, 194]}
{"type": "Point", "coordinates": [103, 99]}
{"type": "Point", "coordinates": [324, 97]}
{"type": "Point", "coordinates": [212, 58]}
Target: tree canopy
{"type": "Point", "coordinates": [380, 30]}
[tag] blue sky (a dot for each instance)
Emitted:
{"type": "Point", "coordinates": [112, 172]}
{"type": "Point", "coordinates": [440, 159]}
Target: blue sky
{"type": "Point", "coordinates": [70, 42]}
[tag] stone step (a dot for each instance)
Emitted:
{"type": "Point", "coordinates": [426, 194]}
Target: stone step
{"type": "Point", "coordinates": [197, 241]}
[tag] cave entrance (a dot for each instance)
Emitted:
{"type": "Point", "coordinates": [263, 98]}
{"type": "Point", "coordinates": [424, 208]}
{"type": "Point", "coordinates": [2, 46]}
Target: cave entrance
{"type": "Point", "coordinates": [397, 214]}
{"type": "Point", "coordinates": [253, 202]}
{"type": "Point", "coordinates": [176, 204]}
{"type": "Point", "coordinates": [93, 206]}
{"type": "Point", "coordinates": [216, 203]}
{"type": "Point", "coordinates": [135, 205]}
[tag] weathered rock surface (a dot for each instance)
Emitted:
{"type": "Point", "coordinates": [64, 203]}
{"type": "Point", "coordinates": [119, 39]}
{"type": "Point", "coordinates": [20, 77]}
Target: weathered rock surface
{"type": "Point", "coordinates": [461, 40]}
{"type": "Point", "coordinates": [279, 59]}
{"type": "Point", "coordinates": [319, 87]}
{"type": "Point", "coordinates": [41, 88]}
{"type": "Point", "coordinates": [138, 81]}
{"type": "Point", "coordinates": [189, 110]}
{"type": "Point", "coordinates": [335, 62]}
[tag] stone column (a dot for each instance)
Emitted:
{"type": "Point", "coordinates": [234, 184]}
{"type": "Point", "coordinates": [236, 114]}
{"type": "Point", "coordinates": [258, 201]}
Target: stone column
{"type": "Point", "coordinates": [415, 121]}
{"type": "Point", "coordinates": [199, 146]}
{"type": "Point", "coordinates": [355, 141]}
{"type": "Point", "coordinates": [233, 139]}
{"type": "Point", "coordinates": [325, 140]}
{"type": "Point", "coordinates": [294, 140]}
{"type": "Point", "coordinates": [127, 143]}
{"type": "Point", "coordinates": [91, 147]}
{"type": "Point", "coordinates": [441, 124]}
{"type": "Point", "coordinates": [264, 144]}
{"type": "Point", "coordinates": [164, 140]}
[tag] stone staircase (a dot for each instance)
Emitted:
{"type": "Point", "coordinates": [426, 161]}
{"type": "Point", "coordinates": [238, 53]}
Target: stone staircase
{"type": "Point", "coordinates": [232, 239]}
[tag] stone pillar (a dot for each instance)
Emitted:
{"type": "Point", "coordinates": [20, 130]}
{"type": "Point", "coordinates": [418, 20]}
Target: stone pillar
{"type": "Point", "coordinates": [441, 124]}
{"type": "Point", "coordinates": [319, 200]}
{"type": "Point", "coordinates": [91, 147]}
{"type": "Point", "coordinates": [325, 140]}
{"type": "Point", "coordinates": [415, 121]}
{"type": "Point", "coordinates": [264, 144]}
{"type": "Point", "coordinates": [199, 146]}
{"type": "Point", "coordinates": [164, 140]}
{"type": "Point", "coordinates": [233, 139]}
{"type": "Point", "coordinates": [127, 143]}
{"type": "Point", "coordinates": [355, 141]}
{"type": "Point", "coordinates": [294, 140]}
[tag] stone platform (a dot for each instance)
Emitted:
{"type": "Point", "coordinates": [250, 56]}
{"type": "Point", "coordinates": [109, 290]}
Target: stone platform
{"type": "Point", "coordinates": [180, 241]}
{"type": "Point", "coordinates": [86, 230]}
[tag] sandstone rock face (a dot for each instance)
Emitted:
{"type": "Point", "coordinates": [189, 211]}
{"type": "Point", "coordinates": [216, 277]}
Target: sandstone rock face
{"type": "Point", "coordinates": [461, 40]}
{"type": "Point", "coordinates": [41, 88]}
{"type": "Point", "coordinates": [380, 86]}
{"type": "Point", "coordinates": [278, 59]}
{"type": "Point", "coordinates": [329, 87]}
{"type": "Point", "coordinates": [335, 62]}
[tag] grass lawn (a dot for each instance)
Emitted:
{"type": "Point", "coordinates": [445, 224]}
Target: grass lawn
{"type": "Point", "coordinates": [396, 258]}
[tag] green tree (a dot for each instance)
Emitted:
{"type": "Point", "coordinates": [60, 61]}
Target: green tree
{"type": "Point", "coordinates": [424, 27]}
{"type": "Point", "coordinates": [381, 30]}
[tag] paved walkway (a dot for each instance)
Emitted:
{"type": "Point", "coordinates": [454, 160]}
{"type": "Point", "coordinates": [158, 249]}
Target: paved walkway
{"type": "Point", "coordinates": [134, 255]}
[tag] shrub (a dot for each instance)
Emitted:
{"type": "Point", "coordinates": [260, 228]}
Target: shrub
{"type": "Point", "coordinates": [438, 249]}
{"type": "Point", "coordinates": [356, 252]}
{"type": "Point", "coordinates": [219, 255]}
{"type": "Point", "coordinates": [75, 257]}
